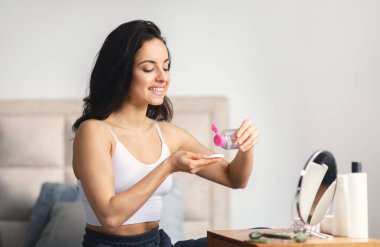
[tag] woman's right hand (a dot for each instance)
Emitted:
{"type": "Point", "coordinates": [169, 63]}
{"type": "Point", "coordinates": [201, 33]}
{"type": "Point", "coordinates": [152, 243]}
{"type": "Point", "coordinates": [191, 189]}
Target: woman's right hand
{"type": "Point", "coordinates": [183, 161]}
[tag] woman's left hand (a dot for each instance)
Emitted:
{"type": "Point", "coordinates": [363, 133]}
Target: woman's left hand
{"type": "Point", "coordinates": [247, 135]}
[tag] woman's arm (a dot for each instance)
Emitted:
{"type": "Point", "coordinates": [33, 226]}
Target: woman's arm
{"type": "Point", "coordinates": [241, 166]}
{"type": "Point", "coordinates": [92, 164]}
{"type": "Point", "coordinates": [234, 174]}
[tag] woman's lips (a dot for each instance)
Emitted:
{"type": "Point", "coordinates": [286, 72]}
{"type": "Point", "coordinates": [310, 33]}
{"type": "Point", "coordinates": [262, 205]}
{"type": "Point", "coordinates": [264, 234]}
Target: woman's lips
{"type": "Point", "coordinates": [157, 90]}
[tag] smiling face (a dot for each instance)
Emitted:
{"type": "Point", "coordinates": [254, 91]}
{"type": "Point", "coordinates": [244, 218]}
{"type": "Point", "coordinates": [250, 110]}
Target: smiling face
{"type": "Point", "coordinates": [150, 76]}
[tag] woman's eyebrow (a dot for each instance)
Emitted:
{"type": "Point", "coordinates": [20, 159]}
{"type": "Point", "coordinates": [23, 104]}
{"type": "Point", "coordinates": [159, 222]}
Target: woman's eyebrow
{"type": "Point", "coordinates": [151, 61]}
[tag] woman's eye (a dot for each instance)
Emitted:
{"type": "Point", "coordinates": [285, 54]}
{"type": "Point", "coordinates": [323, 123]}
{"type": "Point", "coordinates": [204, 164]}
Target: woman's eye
{"type": "Point", "coordinates": [166, 69]}
{"type": "Point", "coordinates": [147, 70]}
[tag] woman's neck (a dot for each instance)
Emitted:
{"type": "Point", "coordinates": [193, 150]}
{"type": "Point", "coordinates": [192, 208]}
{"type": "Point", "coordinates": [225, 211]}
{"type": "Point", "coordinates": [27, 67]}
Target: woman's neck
{"type": "Point", "coordinates": [130, 117]}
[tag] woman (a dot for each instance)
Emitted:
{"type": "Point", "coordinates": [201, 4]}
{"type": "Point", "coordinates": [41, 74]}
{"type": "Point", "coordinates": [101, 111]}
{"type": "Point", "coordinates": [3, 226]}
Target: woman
{"type": "Point", "coordinates": [126, 149]}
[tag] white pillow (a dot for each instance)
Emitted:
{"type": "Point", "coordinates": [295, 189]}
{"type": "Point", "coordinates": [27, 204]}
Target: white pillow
{"type": "Point", "coordinates": [173, 215]}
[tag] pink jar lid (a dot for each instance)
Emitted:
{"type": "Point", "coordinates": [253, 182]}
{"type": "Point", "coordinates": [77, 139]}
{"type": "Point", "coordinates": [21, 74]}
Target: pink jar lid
{"type": "Point", "coordinates": [219, 140]}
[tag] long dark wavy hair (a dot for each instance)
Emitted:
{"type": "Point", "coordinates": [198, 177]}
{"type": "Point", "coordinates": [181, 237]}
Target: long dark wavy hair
{"type": "Point", "coordinates": [112, 74]}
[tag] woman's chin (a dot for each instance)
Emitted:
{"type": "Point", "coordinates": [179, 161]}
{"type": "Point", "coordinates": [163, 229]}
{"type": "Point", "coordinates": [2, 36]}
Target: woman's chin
{"type": "Point", "coordinates": [157, 102]}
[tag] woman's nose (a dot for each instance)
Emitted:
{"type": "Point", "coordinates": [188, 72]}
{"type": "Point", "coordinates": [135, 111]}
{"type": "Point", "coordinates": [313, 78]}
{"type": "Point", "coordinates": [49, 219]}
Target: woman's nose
{"type": "Point", "coordinates": [161, 76]}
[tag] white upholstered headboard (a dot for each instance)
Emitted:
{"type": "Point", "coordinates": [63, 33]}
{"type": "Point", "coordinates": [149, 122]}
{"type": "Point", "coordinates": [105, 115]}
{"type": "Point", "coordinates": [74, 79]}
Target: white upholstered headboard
{"type": "Point", "coordinates": [36, 147]}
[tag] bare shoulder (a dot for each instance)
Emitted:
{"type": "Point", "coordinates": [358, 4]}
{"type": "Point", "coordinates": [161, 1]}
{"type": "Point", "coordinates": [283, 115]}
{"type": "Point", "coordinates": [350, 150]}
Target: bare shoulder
{"type": "Point", "coordinates": [92, 146]}
{"type": "Point", "coordinates": [91, 127]}
{"type": "Point", "coordinates": [175, 136]}
{"type": "Point", "coordinates": [93, 131]}
{"type": "Point", "coordinates": [171, 129]}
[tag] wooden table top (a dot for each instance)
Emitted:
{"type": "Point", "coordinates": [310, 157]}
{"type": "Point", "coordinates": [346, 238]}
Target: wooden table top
{"type": "Point", "coordinates": [238, 237]}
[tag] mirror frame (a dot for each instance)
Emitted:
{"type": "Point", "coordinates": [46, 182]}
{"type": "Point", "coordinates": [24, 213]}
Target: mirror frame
{"type": "Point", "coordinates": [319, 157]}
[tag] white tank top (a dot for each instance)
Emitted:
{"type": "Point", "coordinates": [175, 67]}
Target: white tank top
{"type": "Point", "coordinates": [127, 172]}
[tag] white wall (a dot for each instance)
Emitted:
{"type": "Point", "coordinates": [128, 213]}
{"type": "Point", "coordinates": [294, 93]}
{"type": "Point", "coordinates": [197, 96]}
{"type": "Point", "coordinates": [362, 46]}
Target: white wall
{"type": "Point", "coordinates": [307, 72]}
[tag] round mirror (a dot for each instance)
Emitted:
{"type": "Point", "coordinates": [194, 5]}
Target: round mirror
{"type": "Point", "coordinates": [316, 189]}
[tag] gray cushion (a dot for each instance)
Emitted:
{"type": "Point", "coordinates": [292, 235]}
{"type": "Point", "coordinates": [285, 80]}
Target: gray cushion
{"type": "Point", "coordinates": [49, 195]}
{"type": "Point", "coordinates": [65, 227]}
